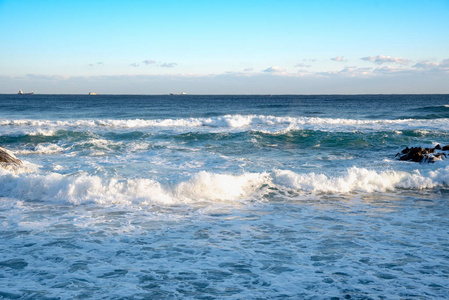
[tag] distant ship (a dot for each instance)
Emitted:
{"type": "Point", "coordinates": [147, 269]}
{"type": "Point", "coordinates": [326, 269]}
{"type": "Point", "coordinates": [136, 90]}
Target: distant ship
{"type": "Point", "coordinates": [183, 93]}
{"type": "Point", "coordinates": [22, 93]}
{"type": "Point", "coordinates": [93, 93]}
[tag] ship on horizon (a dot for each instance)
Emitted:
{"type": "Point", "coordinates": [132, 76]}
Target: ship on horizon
{"type": "Point", "coordinates": [174, 94]}
{"type": "Point", "coordinates": [22, 93]}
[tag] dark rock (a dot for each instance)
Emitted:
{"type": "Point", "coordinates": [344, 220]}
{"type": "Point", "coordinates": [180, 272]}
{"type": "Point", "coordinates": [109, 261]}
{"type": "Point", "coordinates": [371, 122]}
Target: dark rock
{"type": "Point", "coordinates": [419, 154]}
{"type": "Point", "coordinates": [414, 154]}
{"type": "Point", "coordinates": [446, 148]}
{"type": "Point", "coordinates": [429, 150]}
{"type": "Point", "coordinates": [8, 158]}
{"type": "Point", "coordinates": [440, 155]}
{"type": "Point", "coordinates": [430, 159]}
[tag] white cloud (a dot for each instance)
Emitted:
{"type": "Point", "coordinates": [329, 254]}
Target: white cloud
{"type": "Point", "coordinates": [391, 70]}
{"type": "Point", "coordinates": [338, 58]}
{"type": "Point", "coordinates": [302, 65]}
{"type": "Point", "coordinates": [426, 65]}
{"type": "Point", "coordinates": [274, 69]}
{"type": "Point", "coordinates": [149, 62]}
{"type": "Point", "coordinates": [433, 66]}
{"type": "Point", "coordinates": [349, 72]}
{"type": "Point", "coordinates": [382, 59]}
{"type": "Point", "coordinates": [168, 65]}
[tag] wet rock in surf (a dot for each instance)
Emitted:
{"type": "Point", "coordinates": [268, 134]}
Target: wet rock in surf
{"type": "Point", "coordinates": [423, 155]}
{"type": "Point", "coordinates": [7, 158]}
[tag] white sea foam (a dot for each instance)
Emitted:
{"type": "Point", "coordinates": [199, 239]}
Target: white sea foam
{"type": "Point", "coordinates": [99, 146]}
{"type": "Point", "coordinates": [137, 146]}
{"type": "Point", "coordinates": [25, 167]}
{"type": "Point", "coordinates": [361, 180]}
{"type": "Point", "coordinates": [41, 149]}
{"type": "Point", "coordinates": [83, 188]}
{"type": "Point", "coordinates": [261, 123]}
{"type": "Point", "coordinates": [211, 187]}
{"type": "Point", "coordinates": [206, 186]}
{"type": "Point", "coordinates": [40, 131]}
{"type": "Point", "coordinates": [96, 146]}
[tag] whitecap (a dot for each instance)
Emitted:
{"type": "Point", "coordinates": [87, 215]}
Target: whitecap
{"type": "Point", "coordinates": [211, 187]}
{"type": "Point", "coordinates": [41, 149]}
{"type": "Point", "coordinates": [263, 123]}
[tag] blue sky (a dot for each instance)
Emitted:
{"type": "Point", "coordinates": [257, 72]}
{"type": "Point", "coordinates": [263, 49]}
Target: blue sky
{"type": "Point", "coordinates": [224, 47]}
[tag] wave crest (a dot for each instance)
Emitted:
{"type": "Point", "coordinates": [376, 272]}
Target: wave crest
{"type": "Point", "coordinates": [211, 187]}
{"type": "Point", "coordinates": [242, 122]}
{"type": "Point", "coordinates": [361, 180]}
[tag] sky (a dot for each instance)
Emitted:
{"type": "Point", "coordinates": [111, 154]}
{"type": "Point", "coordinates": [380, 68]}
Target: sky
{"type": "Point", "coordinates": [224, 47]}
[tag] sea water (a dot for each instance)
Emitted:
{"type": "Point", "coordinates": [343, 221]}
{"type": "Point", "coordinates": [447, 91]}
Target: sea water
{"type": "Point", "coordinates": [234, 197]}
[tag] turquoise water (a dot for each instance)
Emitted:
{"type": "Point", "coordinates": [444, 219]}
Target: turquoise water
{"type": "Point", "coordinates": [239, 197]}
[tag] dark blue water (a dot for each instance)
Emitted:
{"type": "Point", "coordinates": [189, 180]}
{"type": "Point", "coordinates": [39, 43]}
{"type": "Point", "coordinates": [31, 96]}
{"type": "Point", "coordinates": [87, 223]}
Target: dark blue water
{"type": "Point", "coordinates": [202, 197]}
{"type": "Point", "coordinates": [187, 106]}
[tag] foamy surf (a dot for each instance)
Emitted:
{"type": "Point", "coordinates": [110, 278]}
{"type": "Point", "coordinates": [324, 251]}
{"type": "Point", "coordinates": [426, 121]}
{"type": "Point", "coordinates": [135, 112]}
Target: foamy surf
{"type": "Point", "coordinates": [210, 187]}
{"type": "Point", "coordinates": [362, 180]}
{"type": "Point", "coordinates": [234, 122]}
{"type": "Point", "coordinates": [45, 148]}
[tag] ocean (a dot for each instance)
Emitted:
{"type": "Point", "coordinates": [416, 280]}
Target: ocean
{"type": "Point", "coordinates": [223, 197]}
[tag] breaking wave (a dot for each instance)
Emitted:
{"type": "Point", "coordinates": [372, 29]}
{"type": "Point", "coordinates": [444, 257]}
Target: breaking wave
{"type": "Point", "coordinates": [211, 187]}
{"type": "Point", "coordinates": [245, 122]}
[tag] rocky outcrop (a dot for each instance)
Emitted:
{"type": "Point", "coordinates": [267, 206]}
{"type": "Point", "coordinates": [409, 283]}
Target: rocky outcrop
{"type": "Point", "coordinates": [423, 155]}
{"type": "Point", "coordinates": [7, 158]}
